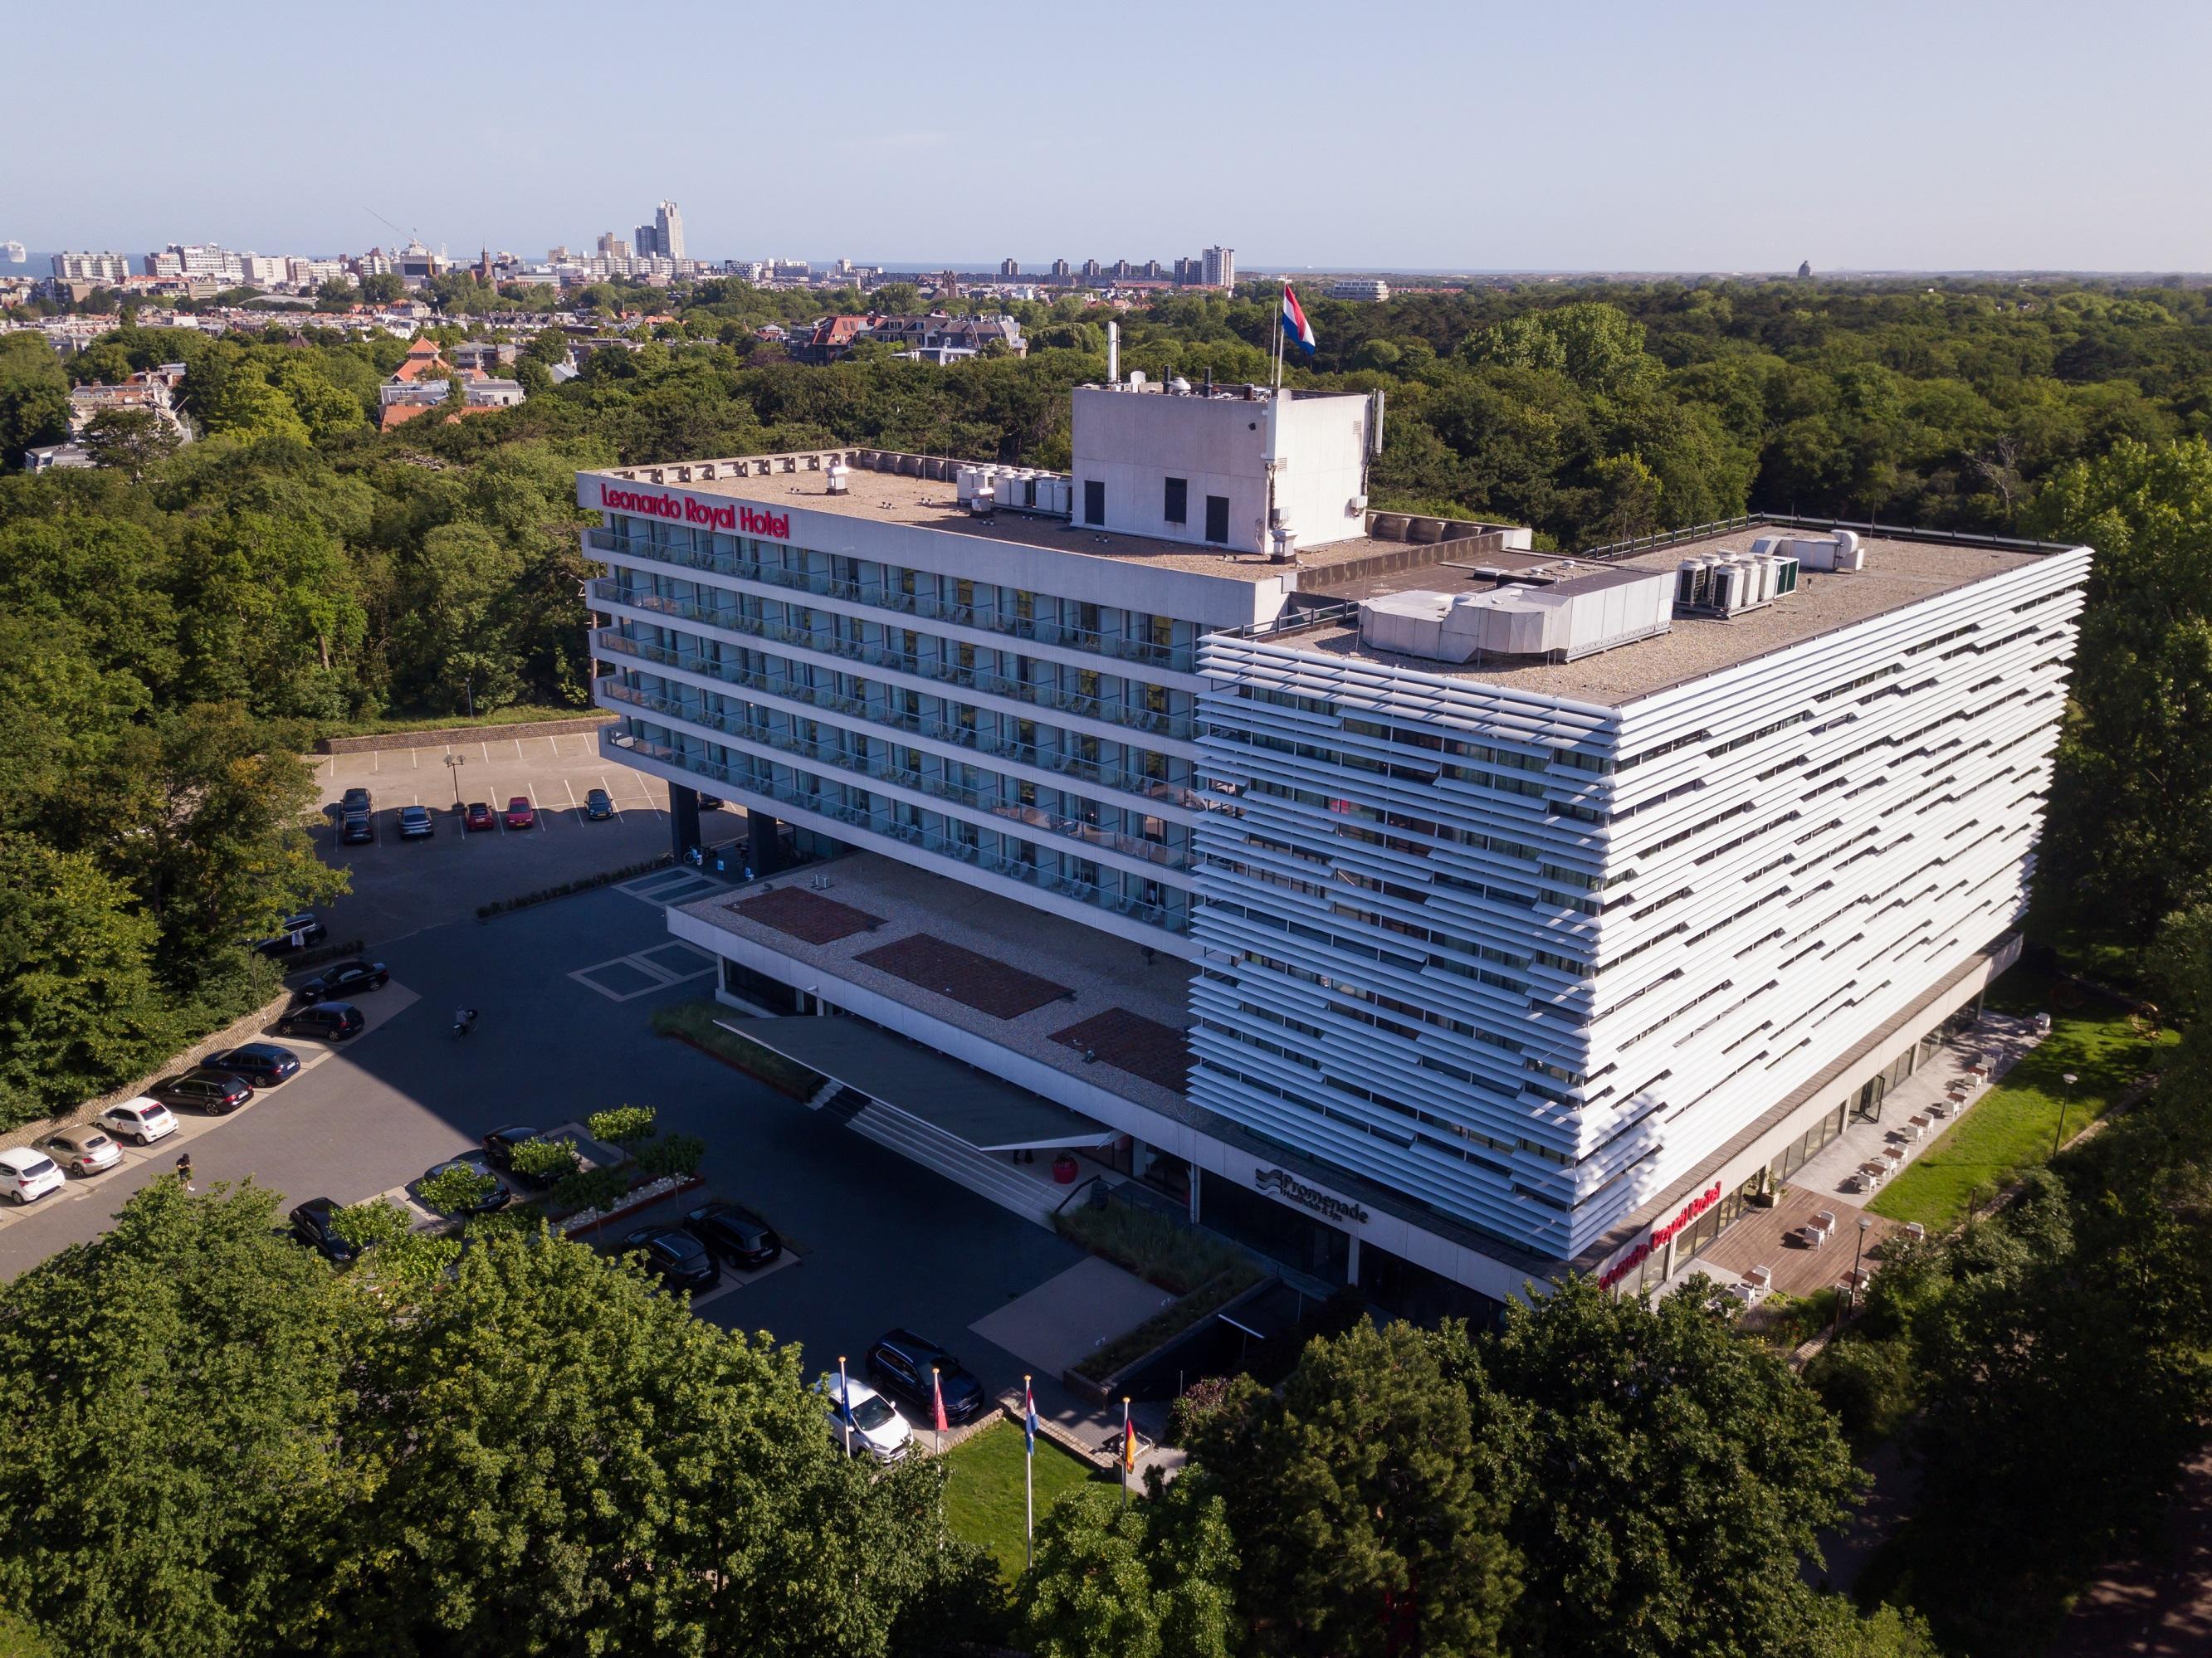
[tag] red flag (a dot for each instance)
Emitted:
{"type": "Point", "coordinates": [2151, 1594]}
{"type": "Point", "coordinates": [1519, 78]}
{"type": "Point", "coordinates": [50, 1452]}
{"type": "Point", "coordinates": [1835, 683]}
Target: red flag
{"type": "Point", "coordinates": [937, 1388]}
{"type": "Point", "coordinates": [1129, 1438]}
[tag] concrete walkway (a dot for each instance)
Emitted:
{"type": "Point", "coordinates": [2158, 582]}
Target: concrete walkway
{"type": "Point", "coordinates": [1064, 1320]}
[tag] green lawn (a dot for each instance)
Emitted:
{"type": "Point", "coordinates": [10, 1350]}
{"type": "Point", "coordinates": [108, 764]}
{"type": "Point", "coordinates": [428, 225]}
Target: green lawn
{"type": "Point", "coordinates": [696, 1022]}
{"type": "Point", "coordinates": [2009, 1130]}
{"type": "Point", "coordinates": [983, 1489]}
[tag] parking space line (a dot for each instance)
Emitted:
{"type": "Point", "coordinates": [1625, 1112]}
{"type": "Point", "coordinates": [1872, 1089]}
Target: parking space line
{"type": "Point", "coordinates": [571, 787]}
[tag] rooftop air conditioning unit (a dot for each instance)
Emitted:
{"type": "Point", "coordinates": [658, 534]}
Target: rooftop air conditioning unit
{"type": "Point", "coordinates": [1692, 579]}
{"type": "Point", "coordinates": [840, 480]}
{"type": "Point", "coordinates": [984, 503]}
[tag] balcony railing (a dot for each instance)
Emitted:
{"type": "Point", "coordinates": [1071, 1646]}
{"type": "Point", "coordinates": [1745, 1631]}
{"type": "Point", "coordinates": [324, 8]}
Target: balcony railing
{"type": "Point", "coordinates": [1110, 710]}
{"type": "Point", "coordinates": [882, 823]}
{"type": "Point", "coordinates": [1175, 659]}
{"type": "Point", "coordinates": [1156, 789]}
{"type": "Point", "coordinates": [992, 800]}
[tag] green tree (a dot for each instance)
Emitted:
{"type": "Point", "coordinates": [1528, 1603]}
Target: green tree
{"type": "Point", "coordinates": [382, 288]}
{"type": "Point", "coordinates": [177, 1407]}
{"type": "Point", "coordinates": [33, 397]}
{"type": "Point", "coordinates": [1143, 1580]}
{"type": "Point", "coordinates": [130, 440]}
{"type": "Point", "coordinates": [1676, 1476]}
{"type": "Point", "coordinates": [251, 410]}
{"type": "Point", "coordinates": [1369, 1501]}
{"type": "Point", "coordinates": [457, 1189]}
{"type": "Point", "coordinates": [79, 1007]}
{"type": "Point", "coordinates": [2129, 835]}
{"type": "Point", "coordinates": [336, 293]}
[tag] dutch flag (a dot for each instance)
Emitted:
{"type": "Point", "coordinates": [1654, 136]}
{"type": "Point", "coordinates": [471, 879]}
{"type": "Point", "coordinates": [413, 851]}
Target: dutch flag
{"type": "Point", "coordinates": [1295, 328]}
{"type": "Point", "coordinates": [1029, 1416]}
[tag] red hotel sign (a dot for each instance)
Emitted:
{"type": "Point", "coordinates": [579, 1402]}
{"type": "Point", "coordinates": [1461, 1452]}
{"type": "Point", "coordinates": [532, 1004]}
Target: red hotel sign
{"type": "Point", "coordinates": [1660, 1238]}
{"type": "Point", "coordinates": [732, 517]}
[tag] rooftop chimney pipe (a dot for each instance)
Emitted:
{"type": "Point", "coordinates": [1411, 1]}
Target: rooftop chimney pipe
{"type": "Point", "coordinates": [1113, 354]}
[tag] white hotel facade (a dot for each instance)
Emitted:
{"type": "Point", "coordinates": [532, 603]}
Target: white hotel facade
{"type": "Point", "coordinates": [1509, 912]}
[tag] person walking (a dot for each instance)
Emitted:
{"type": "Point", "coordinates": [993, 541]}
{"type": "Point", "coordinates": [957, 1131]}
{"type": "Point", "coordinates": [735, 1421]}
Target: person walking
{"type": "Point", "coordinates": [184, 1171]}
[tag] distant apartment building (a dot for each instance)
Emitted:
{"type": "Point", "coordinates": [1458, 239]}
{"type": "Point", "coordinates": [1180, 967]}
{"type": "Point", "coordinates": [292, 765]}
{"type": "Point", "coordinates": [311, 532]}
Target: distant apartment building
{"type": "Point", "coordinates": [1010, 268]}
{"type": "Point", "coordinates": [197, 262]}
{"type": "Point", "coordinates": [1061, 270]}
{"type": "Point", "coordinates": [105, 267]}
{"type": "Point", "coordinates": [1219, 267]}
{"type": "Point", "coordinates": [1359, 287]}
{"type": "Point", "coordinates": [313, 273]}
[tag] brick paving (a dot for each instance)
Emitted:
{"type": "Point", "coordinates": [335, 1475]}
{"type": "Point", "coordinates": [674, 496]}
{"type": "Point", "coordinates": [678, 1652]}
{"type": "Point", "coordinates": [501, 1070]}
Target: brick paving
{"type": "Point", "coordinates": [983, 982]}
{"type": "Point", "coordinates": [1129, 1042]}
{"type": "Point", "coordinates": [806, 916]}
{"type": "Point", "coordinates": [1760, 1238]}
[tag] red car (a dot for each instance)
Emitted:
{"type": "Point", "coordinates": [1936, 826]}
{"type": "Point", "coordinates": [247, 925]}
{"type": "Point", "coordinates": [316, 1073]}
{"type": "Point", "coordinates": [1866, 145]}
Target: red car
{"type": "Point", "coordinates": [520, 814]}
{"type": "Point", "coordinates": [478, 816]}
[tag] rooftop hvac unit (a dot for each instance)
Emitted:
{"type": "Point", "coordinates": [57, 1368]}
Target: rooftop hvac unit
{"type": "Point", "coordinates": [1849, 555]}
{"type": "Point", "coordinates": [1693, 578]}
{"type": "Point", "coordinates": [840, 480]}
{"type": "Point", "coordinates": [983, 503]}
{"type": "Point", "coordinates": [1785, 574]}
{"type": "Point", "coordinates": [1285, 548]}
{"type": "Point", "coordinates": [1727, 590]}
{"type": "Point", "coordinates": [963, 488]}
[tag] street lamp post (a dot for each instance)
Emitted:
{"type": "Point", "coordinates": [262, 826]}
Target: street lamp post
{"type": "Point", "coordinates": [2058, 1133]}
{"type": "Point", "coordinates": [1858, 1253]}
{"type": "Point", "coordinates": [453, 764]}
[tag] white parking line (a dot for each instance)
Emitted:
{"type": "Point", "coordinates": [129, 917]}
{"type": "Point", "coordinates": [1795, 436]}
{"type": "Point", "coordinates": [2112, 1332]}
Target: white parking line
{"type": "Point", "coordinates": [415, 758]}
{"type": "Point", "coordinates": [571, 787]}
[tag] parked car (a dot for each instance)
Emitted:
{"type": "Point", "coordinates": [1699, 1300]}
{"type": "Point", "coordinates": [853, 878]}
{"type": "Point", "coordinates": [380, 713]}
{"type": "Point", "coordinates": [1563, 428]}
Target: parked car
{"type": "Point", "coordinates": [360, 830]}
{"type": "Point", "coordinates": [478, 816]}
{"type": "Point", "coordinates": [878, 1430]}
{"type": "Point", "coordinates": [142, 1120]}
{"type": "Point", "coordinates": [677, 1259]}
{"type": "Point", "coordinates": [520, 814]}
{"type": "Point", "coordinates": [331, 1021]}
{"type": "Point", "coordinates": [262, 1064]}
{"type": "Point", "coordinates": [479, 1162]}
{"type": "Point", "coordinates": [498, 1150]}
{"type": "Point", "coordinates": [599, 804]}
{"type": "Point", "coordinates": [900, 1362]}
{"type": "Point", "coordinates": [710, 803]}
{"type": "Point", "coordinates": [735, 1234]}
{"type": "Point", "coordinates": [355, 800]}
{"type": "Point", "coordinates": [295, 932]}
{"type": "Point", "coordinates": [416, 823]}
{"type": "Point", "coordinates": [311, 1226]}
{"type": "Point", "coordinates": [342, 977]}
{"type": "Point", "coordinates": [27, 1173]}
{"type": "Point", "coordinates": [82, 1151]}
{"type": "Point", "coordinates": [215, 1092]}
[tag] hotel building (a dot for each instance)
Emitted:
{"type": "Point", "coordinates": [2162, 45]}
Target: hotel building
{"type": "Point", "coordinates": [1439, 914]}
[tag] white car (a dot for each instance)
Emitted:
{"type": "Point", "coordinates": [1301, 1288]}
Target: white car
{"type": "Point", "coordinates": [877, 1429]}
{"type": "Point", "coordinates": [84, 1151]}
{"type": "Point", "coordinates": [141, 1119]}
{"type": "Point", "coordinates": [26, 1174]}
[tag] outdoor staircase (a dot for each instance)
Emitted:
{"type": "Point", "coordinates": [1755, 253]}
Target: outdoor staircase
{"type": "Point", "coordinates": [984, 1173]}
{"type": "Point", "coordinates": [840, 1103]}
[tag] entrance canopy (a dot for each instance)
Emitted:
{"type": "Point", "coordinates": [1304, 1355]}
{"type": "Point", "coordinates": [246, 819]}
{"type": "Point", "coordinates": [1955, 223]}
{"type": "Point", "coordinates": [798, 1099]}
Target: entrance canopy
{"type": "Point", "coordinates": [970, 1105]}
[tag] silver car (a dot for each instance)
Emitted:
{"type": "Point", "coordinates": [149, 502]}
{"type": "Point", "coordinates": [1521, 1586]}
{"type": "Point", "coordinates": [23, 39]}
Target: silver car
{"type": "Point", "coordinates": [82, 1151]}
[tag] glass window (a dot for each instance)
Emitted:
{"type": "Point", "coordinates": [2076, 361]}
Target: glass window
{"type": "Point", "coordinates": [1178, 501]}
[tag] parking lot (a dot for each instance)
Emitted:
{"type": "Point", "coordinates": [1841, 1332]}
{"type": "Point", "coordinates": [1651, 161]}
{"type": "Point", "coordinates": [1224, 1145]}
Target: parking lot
{"type": "Point", "coordinates": [566, 990]}
{"type": "Point", "coordinates": [401, 886]}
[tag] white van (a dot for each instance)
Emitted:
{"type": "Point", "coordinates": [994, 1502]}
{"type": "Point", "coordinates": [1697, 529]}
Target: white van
{"type": "Point", "coordinates": [26, 1175]}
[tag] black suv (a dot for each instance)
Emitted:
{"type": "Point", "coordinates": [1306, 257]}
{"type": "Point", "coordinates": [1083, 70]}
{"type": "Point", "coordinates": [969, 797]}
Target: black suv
{"type": "Point", "coordinates": [332, 1021]}
{"type": "Point", "coordinates": [499, 1152]}
{"type": "Point", "coordinates": [214, 1092]}
{"type": "Point", "coordinates": [900, 1362]}
{"type": "Point", "coordinates": [677, 1259]}
{"type": "Point", "coordinates": [311, 1226]}
{"type": "Point", "coordinates": [735, 1235]}
{"type": "Point", "coordinates": [356, 800]}
{"type": "Point", "coordinates": [340, 977]}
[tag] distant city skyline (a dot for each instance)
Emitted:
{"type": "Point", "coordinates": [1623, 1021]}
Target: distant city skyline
{"type": "Point", "coordinates": [1704, 137]}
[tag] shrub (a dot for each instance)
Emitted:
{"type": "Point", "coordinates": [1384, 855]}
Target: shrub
{"type": "Point", "coordinates": [1153, 1246]}
{"type": "Point", "coordinates": [366, 1224]}
{"type": "Point", "coordinates": [1868, 1384]}
{"type": "Point", "coordinates": [581, 884]}
{"type": "Point", "coordinates": [594, 1188]}
{"type": "Point", "coordinates": [545, 1159]}
{"type": "Point", "coordinates": [678, 1155]}
{"type": "Point", "coordinates": [625, 1125]}
{"type": "Point", "coordinates": [457, 1189]}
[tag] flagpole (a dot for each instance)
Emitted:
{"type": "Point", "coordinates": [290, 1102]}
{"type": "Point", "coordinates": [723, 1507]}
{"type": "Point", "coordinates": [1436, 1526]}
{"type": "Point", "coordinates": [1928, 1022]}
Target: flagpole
{"type": "Point", "coordinates": [1279, 335]}
{"type": "Point", "coordinates": [844, 1404]}
{"type": "Point", "coordinates": [1029, 1481]}
{"type": "Point", "coordinates": [1124, 1458]}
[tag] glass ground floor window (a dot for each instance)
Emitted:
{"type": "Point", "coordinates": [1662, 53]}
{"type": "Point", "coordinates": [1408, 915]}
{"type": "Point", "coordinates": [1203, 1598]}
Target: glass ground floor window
{"type": "Point", "coordinates": [1420, 1296]}
{"type": "Point", "coordinates": [1299, 1240]}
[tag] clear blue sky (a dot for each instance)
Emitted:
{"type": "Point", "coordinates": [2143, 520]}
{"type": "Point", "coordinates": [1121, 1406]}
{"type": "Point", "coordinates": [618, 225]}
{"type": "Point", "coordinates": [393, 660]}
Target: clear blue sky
{"type": "Point", "coordinates": [1399, 134]}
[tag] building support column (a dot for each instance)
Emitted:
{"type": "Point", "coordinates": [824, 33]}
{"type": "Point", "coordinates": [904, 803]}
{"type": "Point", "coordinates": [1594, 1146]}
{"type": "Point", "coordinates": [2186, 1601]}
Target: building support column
{"type": "Point", "coordinates": [1351, 1263]}
{"type": "Point", "coordinates": [764, 845]}
{"type": "Point", "coordinates": [683, 820]}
